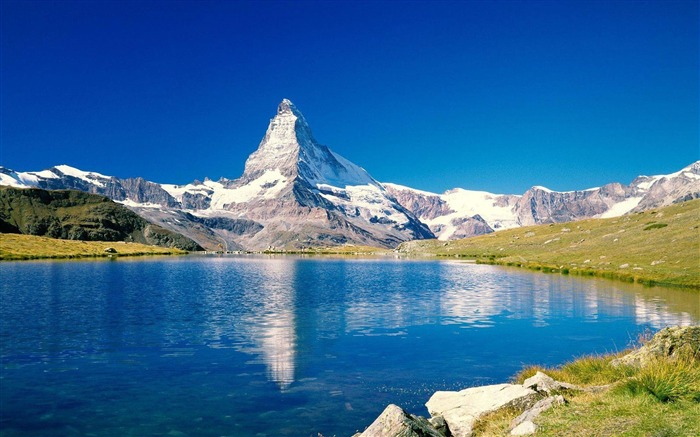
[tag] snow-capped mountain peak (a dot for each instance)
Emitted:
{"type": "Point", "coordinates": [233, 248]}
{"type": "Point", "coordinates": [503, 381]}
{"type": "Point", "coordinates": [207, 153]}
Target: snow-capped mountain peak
{"type": "Point", "coordinates": [290, 147]}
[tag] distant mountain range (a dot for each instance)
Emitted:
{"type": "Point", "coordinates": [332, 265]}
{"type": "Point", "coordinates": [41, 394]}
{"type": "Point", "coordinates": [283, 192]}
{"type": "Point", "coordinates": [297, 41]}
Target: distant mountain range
{"type": "Point", "coordinates": [296, 193]}
{"type": "Point", "coordinates": [462, 213]}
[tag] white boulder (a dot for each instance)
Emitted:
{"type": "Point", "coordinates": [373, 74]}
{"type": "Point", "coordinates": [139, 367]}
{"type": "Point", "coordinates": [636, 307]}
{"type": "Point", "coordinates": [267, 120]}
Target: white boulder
{"type": "Point", "coordinates": [461, 409]}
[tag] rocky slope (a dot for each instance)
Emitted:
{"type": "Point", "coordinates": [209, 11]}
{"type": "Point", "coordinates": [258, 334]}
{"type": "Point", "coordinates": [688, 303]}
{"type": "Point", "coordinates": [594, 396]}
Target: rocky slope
{"type": "Point", "coordinates": [74, 215]}
{"type": "Point", "coordinates": [453, 214]}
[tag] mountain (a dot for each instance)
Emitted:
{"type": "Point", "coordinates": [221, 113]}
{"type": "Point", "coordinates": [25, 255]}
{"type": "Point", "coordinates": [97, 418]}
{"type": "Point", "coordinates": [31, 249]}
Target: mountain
{"type": "Point", "coordinates": [74, 215]}
{"type": "Point", "coordinates": [460, 213]}
{"type": "Point", "coordinates": [294, 193]}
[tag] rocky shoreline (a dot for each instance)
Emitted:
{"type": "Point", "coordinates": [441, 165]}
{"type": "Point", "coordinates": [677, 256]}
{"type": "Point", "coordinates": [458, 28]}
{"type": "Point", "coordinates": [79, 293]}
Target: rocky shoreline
{"type": "Point", "coordinates": [454, 414]}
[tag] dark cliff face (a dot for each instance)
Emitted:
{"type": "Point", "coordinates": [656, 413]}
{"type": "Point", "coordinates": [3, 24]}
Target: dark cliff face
{"type": "Point", "coordinates": [75, 215]}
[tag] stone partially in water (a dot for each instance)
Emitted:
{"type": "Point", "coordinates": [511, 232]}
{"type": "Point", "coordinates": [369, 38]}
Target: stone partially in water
{"type": "Point", "coordinates": [395, 422]}
{"type": "Point", "coordinates": [462, 409]}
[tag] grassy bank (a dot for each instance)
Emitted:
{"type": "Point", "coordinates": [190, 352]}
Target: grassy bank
{"type": "Point", "coordinates": [661, 398]}
{"type": "Point", "coordinates": [660, 246]}
{"type": "Point", "coordinates": [19, 247]}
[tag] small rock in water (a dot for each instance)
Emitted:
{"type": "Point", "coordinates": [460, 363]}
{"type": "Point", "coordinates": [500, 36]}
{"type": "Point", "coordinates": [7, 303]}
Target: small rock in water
{"type": "Point", "coordinates": [394, 422]}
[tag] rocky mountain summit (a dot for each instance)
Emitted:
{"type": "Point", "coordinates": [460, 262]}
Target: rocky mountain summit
{"type": "Point", "coordinates": [294, 193]}
{"type": "Point", "coordinates": [297, 193]}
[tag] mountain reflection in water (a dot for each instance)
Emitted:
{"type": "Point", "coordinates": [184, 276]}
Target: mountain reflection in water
{"type": "Point", "coordinates": [457, 293]}
{"type": "Point", "coordinates": [244, 345]}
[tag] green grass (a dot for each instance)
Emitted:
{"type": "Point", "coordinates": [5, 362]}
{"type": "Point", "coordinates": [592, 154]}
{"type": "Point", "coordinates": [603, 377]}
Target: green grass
{"type": "Point", "coordinates": [587, 370]}
{"type": "Point", "coordinates": [667, 381]}
{"type": "Point", "coordinates": [659, 399]}
{"type": "Point", "coordinates": [76, 215]}
{"type": "Point", "coordinates": [612, 414]}
{"type": "Point", "coordinates": [21, 247]}
{"type": "Point", "coordinates": [655, 226]}
{"type": "Point", "coordinates": [634, 248]}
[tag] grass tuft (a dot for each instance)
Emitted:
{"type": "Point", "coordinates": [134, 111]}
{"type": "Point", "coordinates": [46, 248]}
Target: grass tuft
{"type": "Point", "coordinates": [655, 226]}
{"type": "Point", "coordinates": [667, 380]}
{"type": "Point", "coordinates": [586, 370]}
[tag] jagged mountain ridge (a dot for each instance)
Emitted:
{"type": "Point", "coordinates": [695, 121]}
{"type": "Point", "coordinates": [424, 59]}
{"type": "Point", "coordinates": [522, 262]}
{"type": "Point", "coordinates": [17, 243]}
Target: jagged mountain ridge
{"type": "Point", "coordinates": [295, 192]}
{"type": "Point", "coordinates": [452, 215]}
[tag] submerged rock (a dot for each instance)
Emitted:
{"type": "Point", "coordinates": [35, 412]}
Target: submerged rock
{"type": "Point", "coordinates": [666, 343]}
{"type": "Point", "coordinates": [461, 409]}
{"type": "Point", "coordinates": [395, 422]}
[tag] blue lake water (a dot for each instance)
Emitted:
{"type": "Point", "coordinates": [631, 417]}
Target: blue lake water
{"type": "Point", "coordinates": [276, 346]}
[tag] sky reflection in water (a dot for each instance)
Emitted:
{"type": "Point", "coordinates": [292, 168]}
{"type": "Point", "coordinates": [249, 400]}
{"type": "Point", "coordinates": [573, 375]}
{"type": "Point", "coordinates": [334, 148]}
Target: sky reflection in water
{"type": "Point", "coordinates": [286, 346]}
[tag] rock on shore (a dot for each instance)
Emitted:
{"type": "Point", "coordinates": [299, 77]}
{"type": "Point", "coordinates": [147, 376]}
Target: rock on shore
{"type": "Point", "coordinates": [454, 413]}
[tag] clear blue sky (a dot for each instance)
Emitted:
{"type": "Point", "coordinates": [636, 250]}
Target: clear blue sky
{"type": "Point", "coordinates": [486, 95]}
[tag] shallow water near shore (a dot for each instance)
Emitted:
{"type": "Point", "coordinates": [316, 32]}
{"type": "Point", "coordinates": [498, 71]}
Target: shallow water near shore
{"type": "Point", "coordinates": [239, 345]}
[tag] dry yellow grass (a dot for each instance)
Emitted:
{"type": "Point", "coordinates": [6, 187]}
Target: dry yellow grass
{"type": "Point", "coordinates": [17, 247]}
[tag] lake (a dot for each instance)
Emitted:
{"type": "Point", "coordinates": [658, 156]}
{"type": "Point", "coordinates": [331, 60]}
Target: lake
{"type": "Point", "coordinates": [277, 346]}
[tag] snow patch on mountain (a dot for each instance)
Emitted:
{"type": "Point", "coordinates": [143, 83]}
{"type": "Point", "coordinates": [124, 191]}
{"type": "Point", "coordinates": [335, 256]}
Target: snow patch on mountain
{"type": "Point", "coordinates": [205, 188]}
{"type": "Point", "coordinates": [13, 179]}
{"type": "Point", "coordinates": [366, 201]}
{"type": "Point", "coordinates": [131, 203]}
{"type": "Point", "coordinates": [460, 205]}
{"type": "Point", "coordinates": [88, 176]}
{"type": "Point", "coordinates": [621, 208]}
{"type": "Point", "coordinates": [267, 186]}
{"type": "Point", "coordinates": [46, 174]}
{"type": "Point", "coordinates": [498, 215]}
